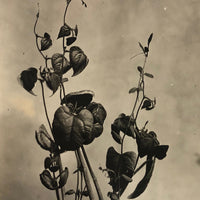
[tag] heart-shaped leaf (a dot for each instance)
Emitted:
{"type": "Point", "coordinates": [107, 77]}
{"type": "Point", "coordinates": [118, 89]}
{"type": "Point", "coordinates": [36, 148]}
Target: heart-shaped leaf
{"type": "Point", "coordinates": [46, 42]}
{"type": "Point", "coordinates": [78, 60]}
{"type": "Point", "coordinates": [63, 177]}
{"type": "Point", "coordinates": [48, 181]}
{"type": "Point", "coordinates": [65, 30]}
{"type": "Point", "coordinates": [53, 81]}
{"type": "Point", "coordinates": [44, 139]}
{"type": "Point", "coordinates": [123, 167]}
{"type": "Point", "coordinates": [28, 78]}
{"type": "Point", "coordinates": [142, 185]}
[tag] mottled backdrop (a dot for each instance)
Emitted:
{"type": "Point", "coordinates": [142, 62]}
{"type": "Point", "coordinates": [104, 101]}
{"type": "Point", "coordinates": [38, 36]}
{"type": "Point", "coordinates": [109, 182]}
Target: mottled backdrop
{"type": "Point", "coordinates": [109, 31]}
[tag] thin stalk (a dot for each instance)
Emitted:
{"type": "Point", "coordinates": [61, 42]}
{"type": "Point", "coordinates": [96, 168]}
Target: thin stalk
{"type": "Point", "coordinates": [77, 178]}
{"type": "Point", "coordinates": [60, 171]}
{"type": "Point", "coordinates": [57, 191]}
{"type": "Point", "coordinates": [45, 107]}
{"type": "Point", "coordinates": [141, 166]}
{"type": "Point", "coordinates": [92, 174]}
{"type": "Point", "coordinates": [86, 177]}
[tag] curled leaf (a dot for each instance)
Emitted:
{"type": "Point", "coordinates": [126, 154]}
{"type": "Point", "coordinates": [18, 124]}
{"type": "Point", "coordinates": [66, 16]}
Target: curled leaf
{"type": "Point", "coordinates": [125, 124]}
{"type": "Point", "coordinates": [116, 134]}
{"type": "Point", "coordinates": [78, 60]}
{"type": "Point", "coordinates": [53, 81]}
{"type": "Point", "coordinates": [160, 151]}
{"type": "Point", "coordinates": [98, 112]}
{"type": "Point", "coordinates": [46, 42]}
{"type": "Point", "coordinates": [65, 30]}
{"type": "Point", "coordinates": [148, 104]}
{"type": "Point", "coordinates": [28, 78]}
{"type": "Point", "coordinates": [142, 185]}
{"type": "Point", "coordinates": [44, 139]}
{"type": "Point", "coordinates": [80, 98]}
{"type": "Point", "coordinates": [52, 163]}
{"type": "Point", "coordinates": [60, 64]}
{"type": "Point", "coordinates": [63, 177]}
{"type": "Point", "coordinates": [48, 181]}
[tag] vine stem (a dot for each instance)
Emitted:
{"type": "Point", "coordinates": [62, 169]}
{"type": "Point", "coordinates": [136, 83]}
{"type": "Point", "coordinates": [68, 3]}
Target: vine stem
{"type": "Point", "coordinates": [45, 107]}
{"type": "Point", "coordinates": [86, 177]}
{"type": "Point", "coordinates": [92, 174]}
{"type": "Point", "coordinates": [77, 180]}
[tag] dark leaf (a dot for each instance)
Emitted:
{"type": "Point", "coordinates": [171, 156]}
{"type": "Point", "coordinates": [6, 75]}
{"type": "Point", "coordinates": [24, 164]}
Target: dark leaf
{"type": "Point", "coordinates": [150, 38]}
{"type": "Point", "coordinates": [116, 134]}
{"type": "Point", "coordinates": [140, 69]}
{"type": "Point", "coordinates": [146, 104]}
{"type": "Point", "coordinates": [47, 162]}
{"type": "Point", "coordinates": [98, 112]}
{"type": "Point", "coordinates": [54, 164]}
{"type": "Point", "coordinates": [60, 64]}
{"type": "Point", "coordinates": [149, 75]}
{"type": "Point", "coordinates": [146, 143]}
{"type": "Point", "coordinates": [28, 78]}
{"type": "Point", "coordinates": [125, 124]}
{"type": "Point", "coordinates": [63, 177]}
{"type": "Point", "coordinates": [146, 50]}
{"type": "Point", "coordinates": [70, 40]}
{"type": "Point", "coordinates": [70, 192]}
{"type": "Point", "coordinates": [45, 43]}
{"type": "Point", "coordinates": [85, 193]}
{"type": "Point", "coordinates": [141, 47]}
{"type": "Point", "coordinates": [160, 151]}
{"type": "Point", "coordinates": [70, 129]}
{"type": "Point", "coordinates": [47, 36]}
{"type": "Point", "coordinates": [123, 167]}
{"type": "Point", "coordinates": [48, 181]}
{"type": "Point", "coordinates": [44, 139]}
{"type": "Point", "coordinates": [78, 60]}
{"type": "Point", "coordinates": [142, 185]}
{"type": "Point", "coordinates": [76, 30]}
{"type": "Point", "coordinates": [53, 81]}
{"type": "Point", "coordinates": [64, 31]}
{"type": "Point", "coordinates": [97, 129]}
{"type": "Point", "coordinates": [132, 90]}
{"type": "Point", "coordinates": [80, 98]}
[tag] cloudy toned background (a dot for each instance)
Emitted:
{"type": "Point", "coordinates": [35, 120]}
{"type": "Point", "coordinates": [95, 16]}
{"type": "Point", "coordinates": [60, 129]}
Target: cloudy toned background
{"type": "Point", "coordinates": [109, 31]}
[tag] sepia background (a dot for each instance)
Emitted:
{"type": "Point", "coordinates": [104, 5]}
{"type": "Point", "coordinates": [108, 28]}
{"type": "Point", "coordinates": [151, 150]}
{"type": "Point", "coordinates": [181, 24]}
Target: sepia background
{"type": "Point", "coordinates": [109, 31]}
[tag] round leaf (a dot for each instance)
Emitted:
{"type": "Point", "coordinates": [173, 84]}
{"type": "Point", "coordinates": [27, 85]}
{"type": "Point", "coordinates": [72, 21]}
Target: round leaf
{"type": "Point", "coordinates": [53, 81]}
